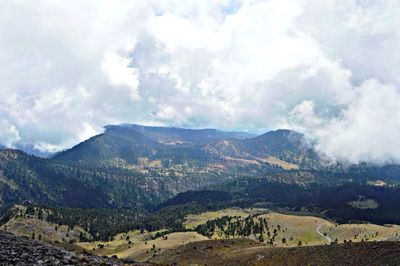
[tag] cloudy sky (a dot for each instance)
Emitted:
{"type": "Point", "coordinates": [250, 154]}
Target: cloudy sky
{"type": "Point", "coordinates": [330, 69]}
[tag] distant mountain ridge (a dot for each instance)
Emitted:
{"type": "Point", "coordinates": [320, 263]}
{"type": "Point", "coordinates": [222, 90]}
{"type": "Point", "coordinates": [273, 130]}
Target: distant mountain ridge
{"type": "Point", "coordinates": [130, 166]}
{"type": "Point", "coordinates": [286, 145]}
{"type": "Point", "coordinates": [175, 135]}
{"type": "Point", "coordinates": [131, 143]}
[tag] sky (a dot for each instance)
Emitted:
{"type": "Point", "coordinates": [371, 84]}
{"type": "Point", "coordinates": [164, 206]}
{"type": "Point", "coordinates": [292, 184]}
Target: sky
{"type": "Point", "coordinates": [329, 69]}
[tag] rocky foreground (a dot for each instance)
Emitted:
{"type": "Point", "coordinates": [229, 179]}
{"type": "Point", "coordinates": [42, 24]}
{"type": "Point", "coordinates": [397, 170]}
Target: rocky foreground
{"type": "Point", "coordinates": [16, 250]}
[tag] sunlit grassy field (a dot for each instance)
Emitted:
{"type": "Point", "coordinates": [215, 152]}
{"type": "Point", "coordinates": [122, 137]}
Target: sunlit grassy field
{"type": "Point", "coordinates": [308, 230]}
{"type": "Point", "coordinates": [141, 246]}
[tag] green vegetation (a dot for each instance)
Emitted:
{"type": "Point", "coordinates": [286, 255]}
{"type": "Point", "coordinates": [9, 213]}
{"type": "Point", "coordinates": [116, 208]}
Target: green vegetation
{"type": "Point", "coordinates": [105, 224]}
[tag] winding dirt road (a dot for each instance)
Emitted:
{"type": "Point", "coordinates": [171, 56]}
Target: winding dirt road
{"type": "Point", "coordinates": [321, 234]}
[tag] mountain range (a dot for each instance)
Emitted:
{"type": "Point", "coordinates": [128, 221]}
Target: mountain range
{"type": "Point", "coordinates": [131, 166]}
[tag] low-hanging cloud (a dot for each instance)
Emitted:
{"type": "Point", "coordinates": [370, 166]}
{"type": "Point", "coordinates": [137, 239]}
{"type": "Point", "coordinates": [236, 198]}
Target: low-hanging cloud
{"type": "Point", "coordinates": [364, 129]}
{"type": "Point", "coordinates": [326, 68]}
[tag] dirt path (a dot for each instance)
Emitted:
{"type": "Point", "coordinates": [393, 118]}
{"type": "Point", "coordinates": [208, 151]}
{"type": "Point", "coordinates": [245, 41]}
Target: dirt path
{"type": "Point", "coordinates": [321, 234]}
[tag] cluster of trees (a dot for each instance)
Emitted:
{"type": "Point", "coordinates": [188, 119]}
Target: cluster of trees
{"type": "Point", "coordinates": [254, 226]}
{"type": "Point", "coordinates": [101, 224]}
{"type": "Point", "coordinates": [104, 224]}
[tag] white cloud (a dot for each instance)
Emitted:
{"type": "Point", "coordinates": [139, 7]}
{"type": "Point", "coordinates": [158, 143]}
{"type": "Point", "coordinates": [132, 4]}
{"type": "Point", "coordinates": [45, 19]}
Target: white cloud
{"type": "Point", "coordinates": [9, 135]}
{"type": "Point", "coordinates": [367, 128]}
{"type": "Point", "coordinates": [118, 71]}
{"type": "Point", "coordinates": [364, 130]}
{"type": "Point", "coordinates": [70, 68]}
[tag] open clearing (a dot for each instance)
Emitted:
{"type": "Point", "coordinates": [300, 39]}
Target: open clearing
{"type": "Point", "coordinates": [284, 165]}
{"type": "Point", "coordinates": [363, 203]}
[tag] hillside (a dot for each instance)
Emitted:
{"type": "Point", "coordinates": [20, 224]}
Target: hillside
{"type": "Point", "coordinates": [140, 246]}
{"type": "Point", "coordinates": [16, 250]}
{"type": "Point", "coordinates": [285, 145]}
{"type": "Point", "coordinates": [248, 252]}
{"type": "Point", "coordinates": [284, 230]}
{"type": "Point", "coordinates": [25, 221]}
{"type": "Point", "coordinates": [242, 231]}
{"type": "Point", "coordinates": [25, 177]}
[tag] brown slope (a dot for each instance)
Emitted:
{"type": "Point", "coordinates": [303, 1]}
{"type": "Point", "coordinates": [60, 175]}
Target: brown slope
{"type": "Point", "coordinates": [248, 252]}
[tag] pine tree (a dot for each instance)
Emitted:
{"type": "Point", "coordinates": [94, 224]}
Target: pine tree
{"type": "Point", "coordinates": [30, 210]}
{"type": "Point", "coordinates": [40, 214]}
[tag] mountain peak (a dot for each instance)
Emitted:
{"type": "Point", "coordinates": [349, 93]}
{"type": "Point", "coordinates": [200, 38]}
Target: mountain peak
{"type": "Point", "coordinates": [283, 133]}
